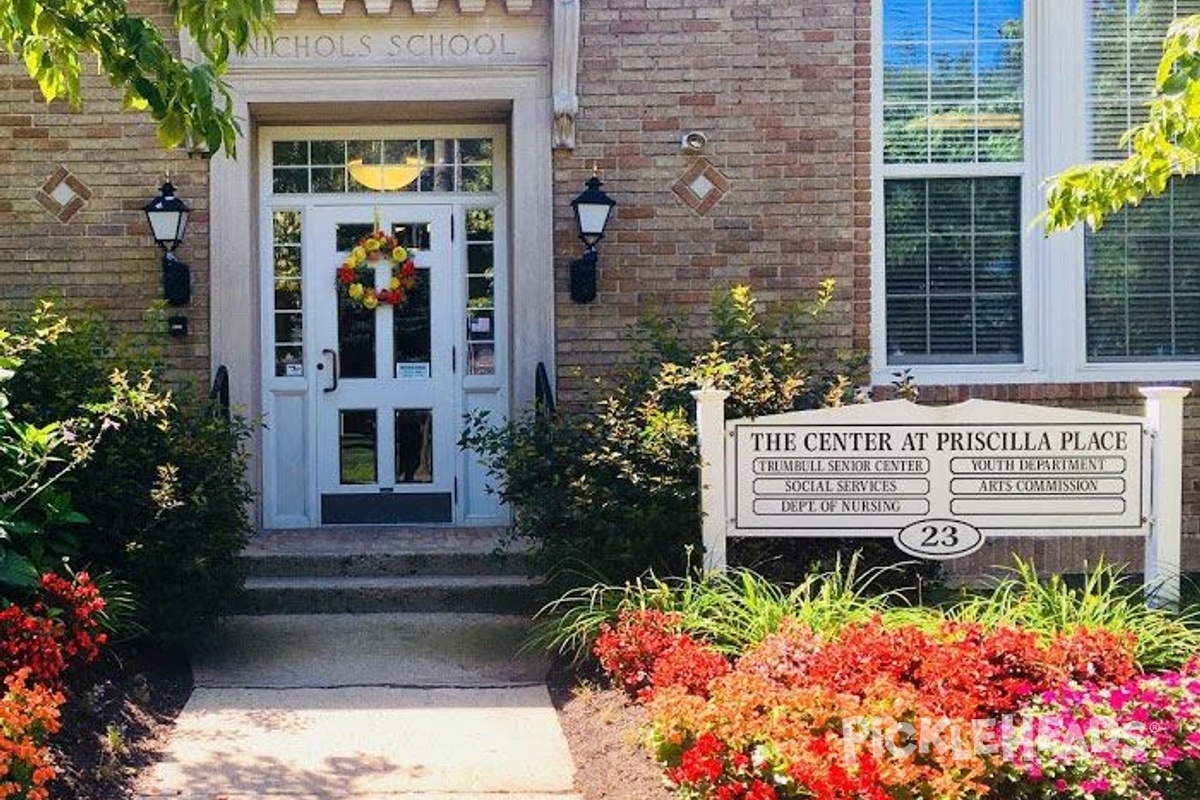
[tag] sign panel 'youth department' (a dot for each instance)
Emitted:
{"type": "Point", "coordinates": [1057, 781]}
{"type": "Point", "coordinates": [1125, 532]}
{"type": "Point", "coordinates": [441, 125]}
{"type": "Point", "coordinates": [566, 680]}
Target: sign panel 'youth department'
{"type": "Point", "coordinates": [885, 467]}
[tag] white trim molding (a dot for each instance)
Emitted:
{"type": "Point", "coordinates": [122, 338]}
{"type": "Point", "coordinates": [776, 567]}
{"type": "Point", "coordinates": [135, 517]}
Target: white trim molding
{"type": "Point", "coordinates": [514, 94]}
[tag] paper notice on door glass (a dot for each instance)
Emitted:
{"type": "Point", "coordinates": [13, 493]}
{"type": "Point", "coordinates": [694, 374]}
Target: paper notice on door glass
{"type": "Point", "coordinates": [417, 371]}
{"type": "Point", "coordinates": [481, 325]}
{"type": "Point", "coordinates": [294, 370]}
{"type": "Point", "coordinates": [482, 359]}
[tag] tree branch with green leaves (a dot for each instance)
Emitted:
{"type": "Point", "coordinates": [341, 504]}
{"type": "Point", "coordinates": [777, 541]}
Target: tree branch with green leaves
{"type": "Point", "coordinates": [1165, 146]}
{"type": "Point", "coordinates": [189, 102]}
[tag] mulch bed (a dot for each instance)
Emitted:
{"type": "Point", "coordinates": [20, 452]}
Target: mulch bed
{"type": "Point", "coordinates": [117, 727]}
{"type": "Point", "coordinates": [604, 731]}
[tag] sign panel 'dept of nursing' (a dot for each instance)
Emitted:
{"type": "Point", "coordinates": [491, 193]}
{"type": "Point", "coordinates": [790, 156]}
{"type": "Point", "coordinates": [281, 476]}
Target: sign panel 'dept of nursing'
{"type": "Point", "coordinates": [937, 477]}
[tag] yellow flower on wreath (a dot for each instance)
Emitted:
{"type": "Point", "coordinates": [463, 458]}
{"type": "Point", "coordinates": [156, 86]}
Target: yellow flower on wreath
{"type": "Point", "coordinates": [356, 274]}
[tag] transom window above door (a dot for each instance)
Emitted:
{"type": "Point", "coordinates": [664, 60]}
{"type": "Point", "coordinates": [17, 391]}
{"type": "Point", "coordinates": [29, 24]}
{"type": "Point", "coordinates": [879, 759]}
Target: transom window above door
{"type": "Point", "coordinates": [337, 166]}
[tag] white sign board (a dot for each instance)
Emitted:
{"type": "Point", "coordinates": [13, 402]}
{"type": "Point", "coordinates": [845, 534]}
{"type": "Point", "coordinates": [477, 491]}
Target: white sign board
{"type": "Point", "coordinates": [937, 478]}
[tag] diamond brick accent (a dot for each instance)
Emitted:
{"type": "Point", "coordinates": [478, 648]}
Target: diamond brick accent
{"type": "Point", "coordinates": [702, 186]}
{"type": "Point", "coordinates": [63, 195]}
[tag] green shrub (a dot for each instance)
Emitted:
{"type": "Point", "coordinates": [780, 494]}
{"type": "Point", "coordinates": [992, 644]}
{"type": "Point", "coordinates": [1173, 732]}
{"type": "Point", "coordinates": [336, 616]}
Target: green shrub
{"type": "Point", "coordinates": [613, 490]}
{"type": "Point", "coordinates": [164, 494]}
{"type": "Point", "coordinates": [40, 450]}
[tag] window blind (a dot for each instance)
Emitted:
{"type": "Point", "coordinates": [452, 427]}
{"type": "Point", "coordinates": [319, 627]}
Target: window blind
{"type": "Point", "coordinates": [1142, 269]}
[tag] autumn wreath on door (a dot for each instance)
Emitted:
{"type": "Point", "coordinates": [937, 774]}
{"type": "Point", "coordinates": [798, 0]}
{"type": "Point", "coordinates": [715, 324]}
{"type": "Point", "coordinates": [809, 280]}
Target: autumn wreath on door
{"type": "Point", "coordinates": [356, 275]}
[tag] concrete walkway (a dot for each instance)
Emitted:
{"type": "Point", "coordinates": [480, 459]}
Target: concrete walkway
{"type": "Point", "coordinates": [420, 706]}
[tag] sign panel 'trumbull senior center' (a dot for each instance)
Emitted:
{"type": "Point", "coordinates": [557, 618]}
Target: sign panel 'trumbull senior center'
{"type": "Point", "coordinates": [936, 478]}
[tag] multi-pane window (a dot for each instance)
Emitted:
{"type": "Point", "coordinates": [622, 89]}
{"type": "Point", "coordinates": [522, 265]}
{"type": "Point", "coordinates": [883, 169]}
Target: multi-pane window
{"type": "Point", "coordinates": [953, 161]}
{"type": "Point", "coordinates": [953, 277]}
{"type": "Point", "coordinates": [1142, 268]}
{"type": "Point", "coordinates": [481, 291]}
{"type": "Point", "coordinates": [287, 300]}
{"type": "Point", "coordinates": [320, 166]}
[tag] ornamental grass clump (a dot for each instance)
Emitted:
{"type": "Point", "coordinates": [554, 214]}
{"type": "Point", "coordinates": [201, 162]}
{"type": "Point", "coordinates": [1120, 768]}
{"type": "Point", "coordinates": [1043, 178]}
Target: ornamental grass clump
{"type": "Point", "coordinates": [729, 610]}
{"type": "Point", "coordinates": [1104, 601]}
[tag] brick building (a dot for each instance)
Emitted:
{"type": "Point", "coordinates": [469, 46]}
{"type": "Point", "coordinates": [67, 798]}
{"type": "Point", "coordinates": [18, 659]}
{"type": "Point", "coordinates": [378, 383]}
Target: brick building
{"type": "Point", "coordinates": [897, 146]}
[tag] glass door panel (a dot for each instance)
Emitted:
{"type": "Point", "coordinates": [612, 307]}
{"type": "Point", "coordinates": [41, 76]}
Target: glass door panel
{"type": "Point", "coordinates": [414, 445]}
{"type": "Point", "coordinates": [386, 375]}
{"type": "Point", "coordinates": [357, 443]}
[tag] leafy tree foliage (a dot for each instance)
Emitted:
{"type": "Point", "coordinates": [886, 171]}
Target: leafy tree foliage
{"type": "Point", "coordinates": [188, 102]}
{"type": "Point", "coordinates": [1165, 146]}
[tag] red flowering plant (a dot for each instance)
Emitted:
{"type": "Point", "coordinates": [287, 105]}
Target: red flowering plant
{"type": "Point", "coordinates": [628, 647]}
{"type": "Point", "coordinates": [710, 769]}
{"type": "Point", "coordinates": [356, 274]}
{"type": "Point", "coordinates": [1093, 655]}
{"type": "Point", "coordinates": [807, 741]}
{"type": "Point", "coordinates": [28, 715]}
{"type": "Point", "coordinates": [61, 627]}
{"type": "Point", "coordinates": [872, 712]}
{"type": "Point", "coordinates": [687, 664]}
{"type": "Point", "coordinates": [645, 649]}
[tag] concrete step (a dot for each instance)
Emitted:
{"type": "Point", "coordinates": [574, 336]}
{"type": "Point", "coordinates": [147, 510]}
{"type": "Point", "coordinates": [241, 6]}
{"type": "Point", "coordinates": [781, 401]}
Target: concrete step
{"type": "Point", "coordinates": [492, 594]}
{"type": "Point", "coordinates": [382, 565]}
{"type": "Point", "coordinates": [382, 552]}
{"type": "Point", "coordinates": [386, 569]}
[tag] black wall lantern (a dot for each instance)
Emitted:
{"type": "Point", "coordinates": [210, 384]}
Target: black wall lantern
{"type": "Point", "coordinates": [592, 209]}
{"type": "Point", "coordinates": [168, 218]}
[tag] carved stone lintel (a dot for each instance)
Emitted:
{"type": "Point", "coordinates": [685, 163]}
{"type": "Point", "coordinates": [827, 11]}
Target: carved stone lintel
{"type": "Point", "coordinates": [565, 72]}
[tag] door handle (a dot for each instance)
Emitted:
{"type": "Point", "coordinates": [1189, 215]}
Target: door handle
{"type": "Point", "coordinates": [334, 359]}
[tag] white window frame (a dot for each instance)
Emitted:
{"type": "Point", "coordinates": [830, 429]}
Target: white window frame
{"type": "Point", "coordinates": [1054, 335]}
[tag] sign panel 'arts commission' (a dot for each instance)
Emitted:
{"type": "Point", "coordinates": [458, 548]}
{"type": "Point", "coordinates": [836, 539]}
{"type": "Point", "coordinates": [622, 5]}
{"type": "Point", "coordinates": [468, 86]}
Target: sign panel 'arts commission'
{"type": "Point", "coordinates": [937, 477]}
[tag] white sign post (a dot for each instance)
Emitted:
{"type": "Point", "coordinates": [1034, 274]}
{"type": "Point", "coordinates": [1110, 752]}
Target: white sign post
{"type": "Point", "coordinates": [939, 479]}
{"type": "Point", "coordinates": [710, 428]}
{"type": "Point", "coordinates": [1164, 562]}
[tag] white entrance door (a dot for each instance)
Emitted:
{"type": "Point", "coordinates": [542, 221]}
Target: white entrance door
{"type": "Point", "coordinates": [385, 385]}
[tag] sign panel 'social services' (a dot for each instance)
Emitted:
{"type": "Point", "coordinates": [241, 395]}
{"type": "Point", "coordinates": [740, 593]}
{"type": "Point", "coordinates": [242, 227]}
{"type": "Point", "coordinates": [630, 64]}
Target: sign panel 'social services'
{"type": "Point", "coordinates": [937, 477]}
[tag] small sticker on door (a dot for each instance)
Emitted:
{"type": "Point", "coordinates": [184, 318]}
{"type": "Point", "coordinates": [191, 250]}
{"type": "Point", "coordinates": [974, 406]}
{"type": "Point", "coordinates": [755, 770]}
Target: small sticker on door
{"type": "Point", "coordinates": [413, 371]}
{"type": "Point", "coordinates": [293, 370]}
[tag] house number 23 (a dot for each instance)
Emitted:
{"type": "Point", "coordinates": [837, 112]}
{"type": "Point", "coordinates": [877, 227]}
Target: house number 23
{"type": "Point", "coordinates": [939, 539]}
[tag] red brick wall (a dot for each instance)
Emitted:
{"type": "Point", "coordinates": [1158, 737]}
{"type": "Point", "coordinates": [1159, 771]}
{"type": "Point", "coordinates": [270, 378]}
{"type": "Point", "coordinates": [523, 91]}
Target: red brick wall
{"type": "Point", "coordinates": [782, 91]}
{"type": "Point", "coordinates": [101, 258]}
